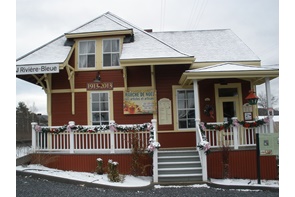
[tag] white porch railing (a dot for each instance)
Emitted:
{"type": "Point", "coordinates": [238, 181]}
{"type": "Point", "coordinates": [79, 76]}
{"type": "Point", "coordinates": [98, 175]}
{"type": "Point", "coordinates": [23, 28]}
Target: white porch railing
{"type": "Point", "coordinates": [75, 141]}
{"type": "Point", "coordinates": [234, 136]}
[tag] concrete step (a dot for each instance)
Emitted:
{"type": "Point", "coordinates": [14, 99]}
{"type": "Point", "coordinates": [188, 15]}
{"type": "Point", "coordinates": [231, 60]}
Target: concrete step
{"type": "Point", "coordinates": [178, 158]}
{"type": "Point", "coordinates": [179, 166]}
{"type": "Point", "coordinates": [177, 152]}
{"type": "Point", "coordinates": [187, 171]}
{"type": "Point", "coordinates": [180, 178]}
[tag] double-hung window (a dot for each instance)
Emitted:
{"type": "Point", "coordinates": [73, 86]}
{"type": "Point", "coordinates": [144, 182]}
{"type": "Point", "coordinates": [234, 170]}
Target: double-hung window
{"type": "Point", "coordinates": [87, 54]}
{"type": "Point", "coordinates": [111, 52]}
{"type": "Point", "coordinates": [100, 110]}
{"type": "Point", "coordinates": [185, 109]}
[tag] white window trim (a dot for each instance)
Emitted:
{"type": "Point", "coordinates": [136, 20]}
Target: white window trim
{"type": "Point", "coordinates": [175, 89]}
{"type": "Point", "coordinates": [109, 67]}
{"type": "Point", "coordinates": [90, 104]}
{"type": "Point", "coordinates": [95, 56]}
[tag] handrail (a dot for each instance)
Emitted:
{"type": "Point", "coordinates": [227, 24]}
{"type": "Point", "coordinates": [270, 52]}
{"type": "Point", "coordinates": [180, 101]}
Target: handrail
{"type": "Point", "coordinates": [203, 158]}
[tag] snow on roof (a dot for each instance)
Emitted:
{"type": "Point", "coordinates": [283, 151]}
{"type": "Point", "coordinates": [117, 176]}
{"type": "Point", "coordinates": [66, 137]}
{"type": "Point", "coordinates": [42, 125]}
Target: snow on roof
{"type": "Point", "coordinates": [100, 24]}
{"type": "Point", "coordinates": [209, 45]}
{"type": "Point", "coordinates": [145, 45]}
{"type": "Point", "coordinates": [55, 51]}
{"type": "Point", "coordinates": [226, 67]}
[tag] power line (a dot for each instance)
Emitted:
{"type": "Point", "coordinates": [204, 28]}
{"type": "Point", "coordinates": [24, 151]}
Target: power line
{"type": "Point", "coordinates": [204, 4]}
{"type": "Point", "coordinates": [193, 11]}
{"type": "Point", "coordinates": [163, 8]}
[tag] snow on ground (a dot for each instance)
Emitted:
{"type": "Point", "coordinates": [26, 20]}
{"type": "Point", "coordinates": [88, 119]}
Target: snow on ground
{"type": "Point", "coordinates": [248, 182]}
{"type": "Point", "coordinates": [129, 181]}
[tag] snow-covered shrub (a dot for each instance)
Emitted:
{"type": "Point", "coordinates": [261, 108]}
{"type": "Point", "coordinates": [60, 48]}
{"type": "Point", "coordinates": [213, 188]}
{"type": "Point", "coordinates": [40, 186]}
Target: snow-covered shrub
{"type": "Point", "coordinates": [113, 171]}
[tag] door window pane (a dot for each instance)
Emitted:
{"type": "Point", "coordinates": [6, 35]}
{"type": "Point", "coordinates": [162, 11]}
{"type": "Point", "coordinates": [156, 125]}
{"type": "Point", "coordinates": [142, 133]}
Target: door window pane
{"type": "Point", "coordinates": [227, 92]}
{"type": "Point", "coordinates": [229, 110]}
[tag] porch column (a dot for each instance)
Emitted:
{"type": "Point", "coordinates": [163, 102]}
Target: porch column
{"type": "Point", "coordinates": [203, 157]}
{"type": "Point", "coordinates": [197, 102]}
{"type": "Point", "coordinates": [33, 137]}
{"type": "Point", "coordinates": [269, 104]}
{"type": "Point", "coordinates": [197, 107]}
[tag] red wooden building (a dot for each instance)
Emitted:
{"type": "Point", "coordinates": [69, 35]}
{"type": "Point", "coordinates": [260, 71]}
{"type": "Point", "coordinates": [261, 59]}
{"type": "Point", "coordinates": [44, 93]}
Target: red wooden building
{"type": "Point", "coordinates": [108, 70]}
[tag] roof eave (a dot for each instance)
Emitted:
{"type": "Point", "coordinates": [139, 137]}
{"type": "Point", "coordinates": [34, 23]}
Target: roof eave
{"type": "Point", "coordinates": [156, 61]}
{"type": "Point", "coordinates": [99, 33]}
{"type": "Point", "coordinates": [188, 77]}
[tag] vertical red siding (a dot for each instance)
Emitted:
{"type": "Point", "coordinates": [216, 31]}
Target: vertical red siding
{"type": "Point", "coordinates": [60, 80]}
{"type": "Point", "coordinates": [242, 164]}
{"type": "Point", "coordinates": [62, 108]}
{"type": "Point", "coordinates": [177, 139]}
{"type": "Point", "coordinates": [87, 162]}
{"type": "Point", "coordinates": [139, 76]}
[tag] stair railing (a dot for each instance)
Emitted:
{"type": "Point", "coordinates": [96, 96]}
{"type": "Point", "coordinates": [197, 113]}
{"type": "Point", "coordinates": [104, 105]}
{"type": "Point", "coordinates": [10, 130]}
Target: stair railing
{"type": "Point", "coordinates": [200, 142]}
{"type": "Point", "coordinates": [155, 153]}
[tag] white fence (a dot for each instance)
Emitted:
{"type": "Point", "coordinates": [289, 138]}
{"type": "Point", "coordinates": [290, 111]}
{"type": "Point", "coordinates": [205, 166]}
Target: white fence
{"type": "Point", "coordinates": [89, 141]}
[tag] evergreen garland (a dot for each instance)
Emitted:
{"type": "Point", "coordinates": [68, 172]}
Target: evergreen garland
{"type": "Point", "coordinates": [99, 128]}
{"type": "Point", "coordinates": [226, 125]}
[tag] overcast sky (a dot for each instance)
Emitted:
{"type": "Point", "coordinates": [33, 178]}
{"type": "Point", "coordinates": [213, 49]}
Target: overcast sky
{"type": "Point", "coordinates": [256, 22]}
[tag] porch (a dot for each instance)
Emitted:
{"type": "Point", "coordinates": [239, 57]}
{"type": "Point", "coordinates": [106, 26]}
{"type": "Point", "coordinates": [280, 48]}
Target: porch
{"type": "Point", "coordinates": [116, 141]}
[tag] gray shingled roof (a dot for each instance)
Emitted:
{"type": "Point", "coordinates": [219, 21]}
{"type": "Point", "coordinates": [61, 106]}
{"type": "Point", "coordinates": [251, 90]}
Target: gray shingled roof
{"type": "Point", "coordinates": [210, 45]}
{"type": "Point", "coordinates": [55, 51]}
{"type": "Point", "coordinates": [145, 45]}
{"type": "Point", "coordinates": [100, 24]}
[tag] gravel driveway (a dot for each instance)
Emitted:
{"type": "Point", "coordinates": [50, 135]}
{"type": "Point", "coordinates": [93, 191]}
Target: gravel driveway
{"type": "Point", "coordinates": [27, 186]}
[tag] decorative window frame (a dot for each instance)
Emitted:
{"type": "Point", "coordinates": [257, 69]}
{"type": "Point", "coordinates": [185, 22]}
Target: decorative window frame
{"type": "Point", "coordinates": [119, 52]}
{"type": "Point", "coordinates": [89, 105]}
{"type": "Point", "coordinates": [175, 89]}
{"type": "Point", "coordinates": [95, 55]}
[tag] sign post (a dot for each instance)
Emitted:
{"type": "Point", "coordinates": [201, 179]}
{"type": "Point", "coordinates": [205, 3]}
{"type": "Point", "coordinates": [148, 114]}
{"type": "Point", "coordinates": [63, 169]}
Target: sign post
{"type": "Point", "coordinates": [258, 158]}
{"type": "Point", "coordinates": [267, 144]}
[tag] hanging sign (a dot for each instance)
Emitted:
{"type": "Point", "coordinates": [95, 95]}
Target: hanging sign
{"type": "Point", "coordinates": [139, 102]}
{"type": "Point", "coordinates": [37, 69]}
{"type": "Point", "coordinates": [100, 86]}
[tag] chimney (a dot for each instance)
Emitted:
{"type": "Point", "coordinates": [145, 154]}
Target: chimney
{"type": "Point", "coordinates": [149, 30]}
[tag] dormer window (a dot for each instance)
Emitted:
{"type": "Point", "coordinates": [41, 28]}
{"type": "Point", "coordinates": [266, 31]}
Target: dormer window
{"type": "Point", "coordinates": [87, 54]}
{"type": "Point", "coordinates": [111, 52]}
